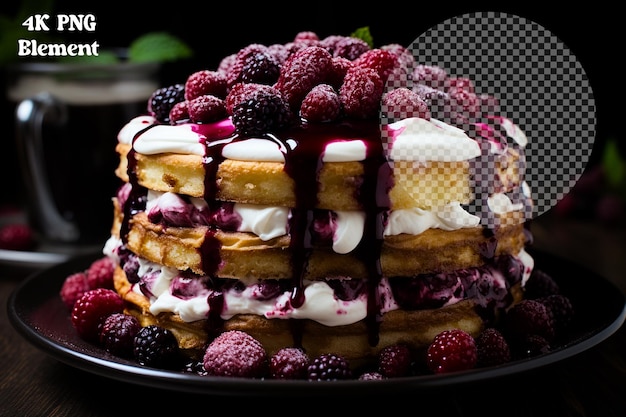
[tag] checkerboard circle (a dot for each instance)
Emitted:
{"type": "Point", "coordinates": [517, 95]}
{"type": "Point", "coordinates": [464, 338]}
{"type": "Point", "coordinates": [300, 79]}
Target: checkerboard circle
{"type": "Point", "coordinates": [540, 85]}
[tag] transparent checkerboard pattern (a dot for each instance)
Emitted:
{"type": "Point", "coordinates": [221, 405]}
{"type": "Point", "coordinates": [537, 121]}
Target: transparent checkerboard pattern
{"type": "Point", "coordinates": [540, 85]}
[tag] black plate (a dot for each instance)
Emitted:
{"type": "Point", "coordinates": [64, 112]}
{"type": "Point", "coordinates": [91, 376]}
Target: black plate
{"type": "Point", "coordinates": [36, 311]}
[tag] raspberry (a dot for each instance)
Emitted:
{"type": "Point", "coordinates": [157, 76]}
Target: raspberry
{"type": "Point", "coordinates": [450, 351]}
{"type": "Point", "coordinates": [262, 112]}
{"type": "Point", "coordinates": [321, 104]}
{"type": "Point", "coordinates": [179, 113]}
{"type": "Point", "coordinates": [430, 75]}
{"type": "Point", "coordinates": [540, 284]}
{"type": "Point", "coordinates": [492, 348]}
{"type": "Point", "coordinates": [330, 43]}
{"type": "Point", "coordinates": [402, 103]}
{"type": "Point", "coordinates": [279, 52]}
{"type": "Point", "coordinates": [306, 36]}
{"type": "Point", "coordinates": [118, 333]}
{"type": "Point", "coordinates": [394, 360]}
{"type": "Point", "coordinates": [74, 286]}
{"type": "Point", "coordinates": [350, 48]}
{"type": "Point", "coordinates": [465, 105]}
{"type": "Point", "coordinates": [205, 82]}
{"type": "Point", "coordinates": [339, 68]}
{"type": "Point", "coordinates": [92, 308]}
{"type": "Point", "coordinates": [206, 109]}
{"type": "Point", "coordinates": [289, 363]}
{"type": "Point", "coordinates": [380, 60]}
{"type": "Point", "coordinates": [561, 310]}
{"type": "Point", "coordinates": [225, 64]}
{"type": "Point", "coordinates": [371, 376]}
{"type": "Point", "coordinates": [329, 367]}
{"type": "Point", "coordinates": [301, 72]}
{"type": "Point", "coordinates": [528, 317]}
{"type": "Point", "coordinates": [459, 83]}
{"type": "Point", "coordinates": [235, 353]}
{"type": "Point", "coordinates": [163, 99]}
{"type": "Point", "coordinates": [405, 57]}
{"type": "Point", "coordinates": [100, 273]}
{"type": "Point", "coordinates": [16, 237]}
{"type": "Point", "coordinates": [260, 67]}
{"type": "Point", "coordinates": [361, 93]}
{"type": "Point", "coordinates": [157, 347]}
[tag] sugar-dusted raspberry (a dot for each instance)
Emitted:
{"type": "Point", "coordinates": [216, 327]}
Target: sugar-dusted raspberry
{"type": "Point", "coordinates": [371, 376]}
{"type": "Point", "coordinates": [205, 82]}
{"type": "Point", "coordinates": [100, 273]}
{"type": "Point", "coordinates": [179, 113]}
{"type": "Point", "coordinates": [260, 67]}
{"type": "Point", "coordinates": [492, 348]}
{"type": "Point", "coordinates": [394, 360]}
{"type": "Point", "coordinates": [264, 111]}
{"type": "Point", "coordinates": [540, 284]}
{"type": "Point", "coordinates": [306, 36]}
{"type": "Point", "coordinates": [118, 334]}
{"type": "Point", "coordinates": [289, 363]}
{"type": "Point", "coordinates": [226, 63]}
{"type": "Point", "coordinates": [459, 83]}
{"type": "Point", "coordinates": [163, 99]}
{"type": "Point", "coordinates": [157, 347]}
{"type": "Point", "coordinates": [561, 310]}
{"type": "Point", "coordinates": [465, 105]}
{"type": "Point", "coordinates": [380, 60]}
{"type": "Point", "coordinates": [526, 318]}
{"type": "Point", "coordinates": [329, 367]}
{"type": "Point", "coordinates": [74, 286]}
{"type": "Point", "coordinates": [233, 76]}
{"type": "Point", "coordinates": [340, 67]}
{"type": "Point", "coordinates": [350, 48]}
{"type": "Point", "coordinates": [16, 236]}
{"type": "Point", "coordinates": [361, 93]}
{"type": "Point", "coordinates": [235, 353]}
{"type": "Point", "coordinates": [206, 109]}
{"type": "Point", "coordinates": [279, 51]}
{"type": "Point", "coordinates": [301, 72]}
{"type": "Point", "coordinates": [450, 351]}
{"type": "Point", "coordinates": [330, 43]}
{"type": "Point", "coordinates": [402, 103]}
{"type": "Point", "coordinates": [321, 104]}
{"type": "Point", "coordinates": [432, 76]}
{"type": "Point", "coordinates": [90, 311]}
{"type": "Point", "coordinates": [405, 57]}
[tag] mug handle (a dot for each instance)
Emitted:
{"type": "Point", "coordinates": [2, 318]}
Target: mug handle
{"type": "Point", "coordinates": [29, 115]}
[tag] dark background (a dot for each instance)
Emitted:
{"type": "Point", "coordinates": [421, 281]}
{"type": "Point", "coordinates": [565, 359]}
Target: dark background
{"type": "Point", "coordinates": [216, 29]}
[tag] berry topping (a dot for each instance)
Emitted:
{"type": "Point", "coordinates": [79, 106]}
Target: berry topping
{"type": "Point", "coordinates": [301, 72]}
{"type": "Point", "coordinates": [289, 363]}
{"type": "Point", "coordinates": [329, 367]}
{"type": "Point", "coordinates": [529, 317]}
{"type": "Point", "coordinates": [430, 75]}
{"type": "Point", "coordinates": [243, 91]}
{"type": "Point", "coordinates": [118, 334]}
{"type": "Point", "coordinates": [92, 308]}
{"type": "Point", "coordinates": [206, 109]}
{"type": "Point", "coordinates": [394, 360]}
{"type": "Point", "coordinates": [321, 104]}
{"type": "Point", "coordinates": [163, 99]}
{"type": "Point", "coordinates": [350, 48]}
{"type": "Point", "coordinates": [261, 112]}
{"type": "Point", "coordinates": [340, 67]}
{"type": "Point", "coordinates": [205, 82]}
{"type": "Point", "coordinates": [74, 286]}
{"type": "Point", "coordinates": [402, 102]}
{"type": "Point", "coordinates": [260, 67]}
{"type": "Point", "coordinates": [100, 273]}
{"type": "Point", "coordinates": [361, 93]}
{"type": "Point", "coordinates": [233, 76]}
{"type": "Point", "coordinates": [450, 351]}
{"type": "Point", "coordinates": [16, 237]}
{"type": "Point", "coordinates": [492, 348]}
{"type": "Point", "coordinates": [179, 113]}
{"type": "Point", "coordinates": [380, 60]}
{"type": "Point", "coordinates": [235, 353]}
{"type": "Point", "coordinates": [157, 347]}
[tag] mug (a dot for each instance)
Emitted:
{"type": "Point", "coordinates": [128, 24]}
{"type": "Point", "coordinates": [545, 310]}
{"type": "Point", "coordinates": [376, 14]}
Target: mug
{"type": "Point", "coordinates": [67, 119]}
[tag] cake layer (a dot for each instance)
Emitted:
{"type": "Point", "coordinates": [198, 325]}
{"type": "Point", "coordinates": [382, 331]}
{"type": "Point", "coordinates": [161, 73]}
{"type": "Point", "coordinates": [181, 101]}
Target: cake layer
{"type": "Point", "coordinates": [244, 255]}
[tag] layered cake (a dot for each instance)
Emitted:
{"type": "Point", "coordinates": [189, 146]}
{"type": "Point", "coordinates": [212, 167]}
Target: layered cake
{"type": "Point", "coordinates": [295, 193]}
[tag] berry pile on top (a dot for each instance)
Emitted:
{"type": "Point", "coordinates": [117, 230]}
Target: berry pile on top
{"type": "Point", "coordinates": [316, 80]}
{"type": "Point", "coordinates": [536, 325]}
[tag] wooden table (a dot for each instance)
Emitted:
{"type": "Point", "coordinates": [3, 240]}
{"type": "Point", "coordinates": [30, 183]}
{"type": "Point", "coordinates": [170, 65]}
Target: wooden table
{"type": "Point", "coordinates": [592, 383]}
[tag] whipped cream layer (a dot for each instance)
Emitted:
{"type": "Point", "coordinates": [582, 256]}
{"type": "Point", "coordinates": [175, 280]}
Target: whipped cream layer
{"type": "Point", "coordinates": [331, 303]}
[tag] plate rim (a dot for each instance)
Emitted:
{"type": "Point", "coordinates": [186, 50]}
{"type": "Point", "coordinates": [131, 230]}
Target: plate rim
{"type": "Point", "coordinates": [128, 371]}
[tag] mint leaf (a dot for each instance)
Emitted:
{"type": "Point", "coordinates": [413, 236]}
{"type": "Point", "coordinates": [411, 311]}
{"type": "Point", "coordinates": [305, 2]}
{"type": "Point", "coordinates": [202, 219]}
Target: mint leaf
{"type": "Point", "coordinates": [614, 165]}
{"type": "Point", "coordinates": [364, 34]}
{"type": "Point", "coordinates": [158, 47]}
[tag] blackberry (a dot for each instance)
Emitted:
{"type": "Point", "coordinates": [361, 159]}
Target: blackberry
{"type": "Point", "coordinates": [329, 367]}
{"type": "Point", "coordinates": [394, 360]}
{"type": "Point", "coordinates": [492, 348]}
{"type": "Point", "coordinates": [118, 334]}
{"type": "Point", "coordinates": [261, 68]}
{"type": "Point", "coordinates": [289, 363]}
{"type": "Point", "coordinates": [261, 113]}
{"type": "Point", "coordinates": [157, 347]}
{"type": "Point", "coordinates": [350, 48]}
{"type": "Point", "coordinates": [162, 100]}
{"type": "Point", "coordinates": [526, 318]}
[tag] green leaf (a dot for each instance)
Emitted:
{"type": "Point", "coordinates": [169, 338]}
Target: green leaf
{"type": "Point", "coordinates": [614, 164]}
{"type": "Point", "coordinates": [158, 47]}
{"type": "Point", "coordinates": [364, 34]}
